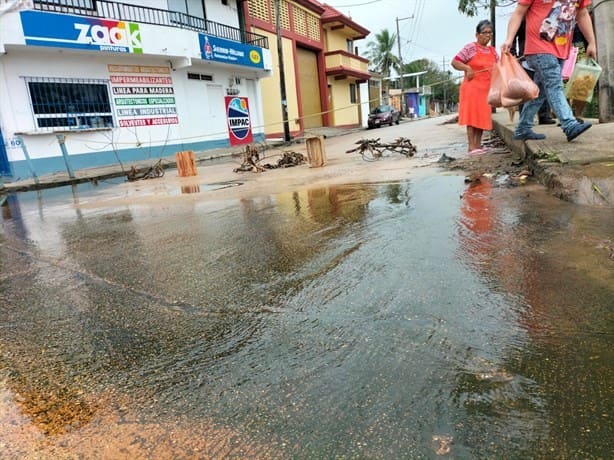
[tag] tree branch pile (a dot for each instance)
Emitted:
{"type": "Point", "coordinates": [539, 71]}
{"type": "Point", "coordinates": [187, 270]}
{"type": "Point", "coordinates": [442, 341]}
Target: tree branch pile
{"type": "Point", "coordinates": [251, 161]}
{"type": "Point", "coordinates": [373, 149]}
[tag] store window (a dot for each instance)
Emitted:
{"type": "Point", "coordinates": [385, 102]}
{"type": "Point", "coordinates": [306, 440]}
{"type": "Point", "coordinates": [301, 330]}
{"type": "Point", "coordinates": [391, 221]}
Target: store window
{"type": "Point", "coordinates": [65, 103]}
{"type": "Point", "coordinates": [353, 97]}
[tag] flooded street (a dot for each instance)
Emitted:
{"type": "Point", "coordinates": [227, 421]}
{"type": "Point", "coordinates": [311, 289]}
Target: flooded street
{"type": "Point", "coordinates": [417, 318]}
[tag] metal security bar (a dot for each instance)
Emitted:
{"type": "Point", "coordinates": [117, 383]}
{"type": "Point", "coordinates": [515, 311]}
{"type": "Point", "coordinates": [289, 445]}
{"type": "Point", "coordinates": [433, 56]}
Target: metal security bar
{"type": "Point", "coordinates": [69, 103]}
{"type": "Point", "coordinates": [146, 15]}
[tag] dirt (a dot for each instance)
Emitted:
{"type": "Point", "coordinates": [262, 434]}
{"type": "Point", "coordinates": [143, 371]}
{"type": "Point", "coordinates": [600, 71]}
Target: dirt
{"type": "Point", "coordinates": [500, 165]}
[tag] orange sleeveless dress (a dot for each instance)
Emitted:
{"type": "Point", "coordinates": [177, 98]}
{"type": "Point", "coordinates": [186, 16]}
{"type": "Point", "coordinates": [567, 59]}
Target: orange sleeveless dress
{"type": "Point", "coordinates": [474, 109]}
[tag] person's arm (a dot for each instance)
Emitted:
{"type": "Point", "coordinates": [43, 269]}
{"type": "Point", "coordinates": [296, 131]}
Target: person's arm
{"type": "Point", "coordinates": [461, 66]}
{"type": "Point", "coordinates": [583, 18]}
{"type": "Point", "coordinates": [513, 25]}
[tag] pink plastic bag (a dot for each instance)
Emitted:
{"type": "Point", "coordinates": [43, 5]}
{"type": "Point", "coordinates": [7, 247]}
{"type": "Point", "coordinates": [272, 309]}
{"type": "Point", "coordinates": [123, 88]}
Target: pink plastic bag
{"type": "Point", "coordinates": [496, 81]}
{"type": "Point", "coordinates": [517, 85]}
{"type": "Point", "coordinates": [569, 63]}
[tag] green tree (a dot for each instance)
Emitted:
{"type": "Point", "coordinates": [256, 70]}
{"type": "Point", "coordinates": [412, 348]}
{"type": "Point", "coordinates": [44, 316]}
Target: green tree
{"type": "Point", "coordinates": [471, 7]}
{"type": "Point", "coordinates": [443, 87]}
{"type": "Point", "coordinates": [380, 55]}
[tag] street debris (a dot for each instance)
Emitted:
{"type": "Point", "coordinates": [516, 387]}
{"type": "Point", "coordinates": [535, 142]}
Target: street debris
{"type": "Point", "coordinates": [599, 192]}
{"type": "Point", "coordinates": [450, 121]}
{"type": "Point", "coordinates": [251, 157]}
{"type": "Point", "coordinates": [288, 160]}
{"type": "Point", "coordinates": [151, 172]}
{"type": "Point", "coordinates": [372, 149]}
{"type": "Point", "coordinates": [251, 161]}
{"type": "Point", "coordinates": [445, 159]}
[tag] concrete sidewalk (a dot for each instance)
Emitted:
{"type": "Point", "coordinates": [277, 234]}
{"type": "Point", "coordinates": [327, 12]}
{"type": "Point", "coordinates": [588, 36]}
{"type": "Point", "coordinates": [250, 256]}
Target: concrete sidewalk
{"type": "Point", "coordinates": [581, 171]}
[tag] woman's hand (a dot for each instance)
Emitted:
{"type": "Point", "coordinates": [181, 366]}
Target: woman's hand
{"type": "Point", "coordinates": [469, 74]}
{"type": "Point", "coordinates": [506, 47]}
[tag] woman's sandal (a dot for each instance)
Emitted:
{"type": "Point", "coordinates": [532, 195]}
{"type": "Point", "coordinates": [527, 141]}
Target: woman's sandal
{"type": "Point", "coordinates": [477, 152]}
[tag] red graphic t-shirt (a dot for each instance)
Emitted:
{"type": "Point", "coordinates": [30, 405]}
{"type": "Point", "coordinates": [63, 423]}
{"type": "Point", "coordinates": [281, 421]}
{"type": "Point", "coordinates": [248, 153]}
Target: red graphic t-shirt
{"type": "Point", "coordinates": [550, 25]}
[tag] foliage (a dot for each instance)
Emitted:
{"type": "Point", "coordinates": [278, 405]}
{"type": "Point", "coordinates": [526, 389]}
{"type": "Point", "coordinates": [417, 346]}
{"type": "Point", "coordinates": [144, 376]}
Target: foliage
{"type": "Point", "coordinates": [471, 7]}
{"type": "Point", "coordinates": [380, 53]}
{"type": "Point", "coordinates": [440, 81]}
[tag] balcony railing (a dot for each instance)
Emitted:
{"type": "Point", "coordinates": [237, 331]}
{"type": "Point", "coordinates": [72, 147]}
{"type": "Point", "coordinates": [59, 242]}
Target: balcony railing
{"type": "Point", "coordinates": [146, 15]}
{"type": "Point", "coordinates": [342, 59]}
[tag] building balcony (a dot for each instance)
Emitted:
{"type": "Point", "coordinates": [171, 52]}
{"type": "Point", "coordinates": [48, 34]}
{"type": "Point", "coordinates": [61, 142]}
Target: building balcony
{"type": "Point", "coordinates": [146, 15]}
{"type": "Point", "coordinates": [341, 64]}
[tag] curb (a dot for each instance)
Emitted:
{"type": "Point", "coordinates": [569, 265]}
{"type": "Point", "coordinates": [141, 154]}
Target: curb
{"type": "Point", "coordinates": [540, 170]}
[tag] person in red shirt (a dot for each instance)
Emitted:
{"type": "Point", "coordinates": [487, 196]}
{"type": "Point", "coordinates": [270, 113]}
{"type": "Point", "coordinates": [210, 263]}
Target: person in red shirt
{"type": "Point", "coordinates": [476, 59]}
{"type": "Point", "coordinates": [549, 35]}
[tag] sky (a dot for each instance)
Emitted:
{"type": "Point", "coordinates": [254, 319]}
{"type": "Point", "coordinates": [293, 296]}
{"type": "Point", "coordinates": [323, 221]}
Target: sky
{"type": "Point", "coordinates": [434, 29]}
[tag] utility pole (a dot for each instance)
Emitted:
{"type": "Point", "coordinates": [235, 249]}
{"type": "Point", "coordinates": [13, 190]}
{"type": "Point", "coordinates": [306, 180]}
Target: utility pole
{"type": "Point", "coordinates": [493, 20]}
{"type": "Point", "coordinates": [445, 87]}
{"type": "Point", "coordinates": [282, 76]}
{"type": "Point", "coordinates": [603, 14]}
{"type": "Point", "coordinates": [400, 64]}
{"type": "Point", "coordinates": [400, 57]}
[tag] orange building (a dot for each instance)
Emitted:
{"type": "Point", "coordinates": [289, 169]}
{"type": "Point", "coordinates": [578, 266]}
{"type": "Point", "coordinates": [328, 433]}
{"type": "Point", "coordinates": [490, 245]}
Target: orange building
{"type": "Point", "coordinates": [322, 70]}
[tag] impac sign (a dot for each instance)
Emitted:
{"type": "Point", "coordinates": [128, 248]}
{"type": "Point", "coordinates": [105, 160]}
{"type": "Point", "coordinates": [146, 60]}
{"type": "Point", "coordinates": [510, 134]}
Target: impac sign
{"type": "Point", "coordinates": [239, 122]}
{"type": "Point", "coordinates": [66, 31]}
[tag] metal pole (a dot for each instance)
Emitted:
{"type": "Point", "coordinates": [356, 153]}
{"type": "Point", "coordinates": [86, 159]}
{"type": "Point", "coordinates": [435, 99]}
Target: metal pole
{"type": "Point", "coordinates": [403, 105]}
{"type": "Point", "coordinates": [493, 20]}
{"type": "Point", "coordinates": [403, 108]}
{"type": "Point", "coordinates": [399, 46]}
{"type": "Point", "coordinates": [603, 16]}
{"type": "Point", "coordinates": [28, 161]}
{"type": "Point", "coordinates": [282, 76]}
{"type": "Point", "coordinates": [61, 141]}
{"type": "Point", "coordinates": [445, 87]}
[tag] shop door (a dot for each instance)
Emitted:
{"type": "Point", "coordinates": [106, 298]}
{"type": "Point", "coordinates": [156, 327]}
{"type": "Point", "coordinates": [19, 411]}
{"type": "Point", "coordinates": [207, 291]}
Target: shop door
{"type": "Point", "coordinates": [309, 87]}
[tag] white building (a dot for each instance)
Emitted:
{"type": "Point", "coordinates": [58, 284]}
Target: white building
{"type": "Point", "coordinates": [85, 83]}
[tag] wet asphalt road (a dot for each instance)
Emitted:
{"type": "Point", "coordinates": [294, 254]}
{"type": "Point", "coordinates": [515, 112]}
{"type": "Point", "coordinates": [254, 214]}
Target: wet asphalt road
{"type": "Point", "coordinates": [377, 319]}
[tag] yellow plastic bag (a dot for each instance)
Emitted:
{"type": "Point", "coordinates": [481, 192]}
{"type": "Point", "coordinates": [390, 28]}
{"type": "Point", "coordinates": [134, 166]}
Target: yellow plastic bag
{"type": "Point", "coordinates": [583, 80]}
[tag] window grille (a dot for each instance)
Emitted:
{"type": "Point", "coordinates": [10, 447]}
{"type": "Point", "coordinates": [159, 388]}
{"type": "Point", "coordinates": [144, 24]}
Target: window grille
{"type": "Point", "coordinates": [313, 27]}
{"type": "Point", "coordinates": [259, 9]}
{"type": "Point", "coordinates": [199, 76]}
{"type": "Point", "coordinates": [300, 20]}
{"type": "Point", "coordinates": [284, 15]}
{"type": "Point", "coordinates": [68, 103]}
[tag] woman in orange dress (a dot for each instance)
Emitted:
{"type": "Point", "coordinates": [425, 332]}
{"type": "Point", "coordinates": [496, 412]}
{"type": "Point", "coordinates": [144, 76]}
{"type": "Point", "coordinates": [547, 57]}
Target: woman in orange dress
{"type": "Point", "coordinates": [477, 60]}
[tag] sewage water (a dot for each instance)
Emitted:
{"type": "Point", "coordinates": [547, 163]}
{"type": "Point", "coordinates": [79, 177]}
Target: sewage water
{"type": "Point", "coordinates": [419, 319]}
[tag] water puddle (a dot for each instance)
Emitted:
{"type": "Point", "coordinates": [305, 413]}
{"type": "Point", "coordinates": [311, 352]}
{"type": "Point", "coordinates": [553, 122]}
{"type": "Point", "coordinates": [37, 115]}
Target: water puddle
{"type": "Point", "coordinates": [392, 320]}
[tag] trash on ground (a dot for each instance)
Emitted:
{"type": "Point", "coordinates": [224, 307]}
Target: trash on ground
{"type": "Point", "coordinates": [288, 160]}
{"type": "Point", "coordinates": [445, 159]}
{"type": "Point", "coordinates": [251, 161]}
{"type": "Point", "coordinates": [251, 157]}
{"type": "Point", "coordinates": [151, 172]}
{"type": "Point", "coordinates": [372, 149]}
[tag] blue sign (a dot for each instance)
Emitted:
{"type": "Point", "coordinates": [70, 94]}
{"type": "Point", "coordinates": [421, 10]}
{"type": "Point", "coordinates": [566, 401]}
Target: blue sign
{"type": "Point", "coordinates": [229, 52]}
{"type": "Point", "coordinates": [66, 31]}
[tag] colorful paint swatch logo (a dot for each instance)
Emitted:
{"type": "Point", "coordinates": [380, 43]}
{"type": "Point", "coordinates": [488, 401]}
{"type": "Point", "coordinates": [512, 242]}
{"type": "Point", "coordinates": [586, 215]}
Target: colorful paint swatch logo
{"type": "Point", "coordinates": [66, 31]}
{"type": "Point", "coordinates": [239, 122]}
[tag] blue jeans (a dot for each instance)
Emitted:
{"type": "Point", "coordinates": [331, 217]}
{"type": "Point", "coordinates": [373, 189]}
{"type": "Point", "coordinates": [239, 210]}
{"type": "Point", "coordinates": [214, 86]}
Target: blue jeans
{"type": "Point", "coordinates": [548, 78]}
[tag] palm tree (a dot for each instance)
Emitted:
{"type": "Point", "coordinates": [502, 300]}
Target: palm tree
{"type": "Point", "coordinates": [379, 52]}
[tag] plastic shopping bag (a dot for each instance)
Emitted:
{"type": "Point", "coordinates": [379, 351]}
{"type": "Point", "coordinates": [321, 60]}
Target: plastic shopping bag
{"type": "Point", "coordinates": [494, 92]}
{"type": "Point", "coordinates": [517, 85]}
{"type": "Point", "coordinates": [569, 63]}
{"type": "Point", "coordinates": [582, 81]}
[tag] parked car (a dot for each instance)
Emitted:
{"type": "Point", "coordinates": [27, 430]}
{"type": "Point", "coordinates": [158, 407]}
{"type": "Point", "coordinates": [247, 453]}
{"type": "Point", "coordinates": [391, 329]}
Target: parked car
{"type": "Point", "coordinates": [383, 115]}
